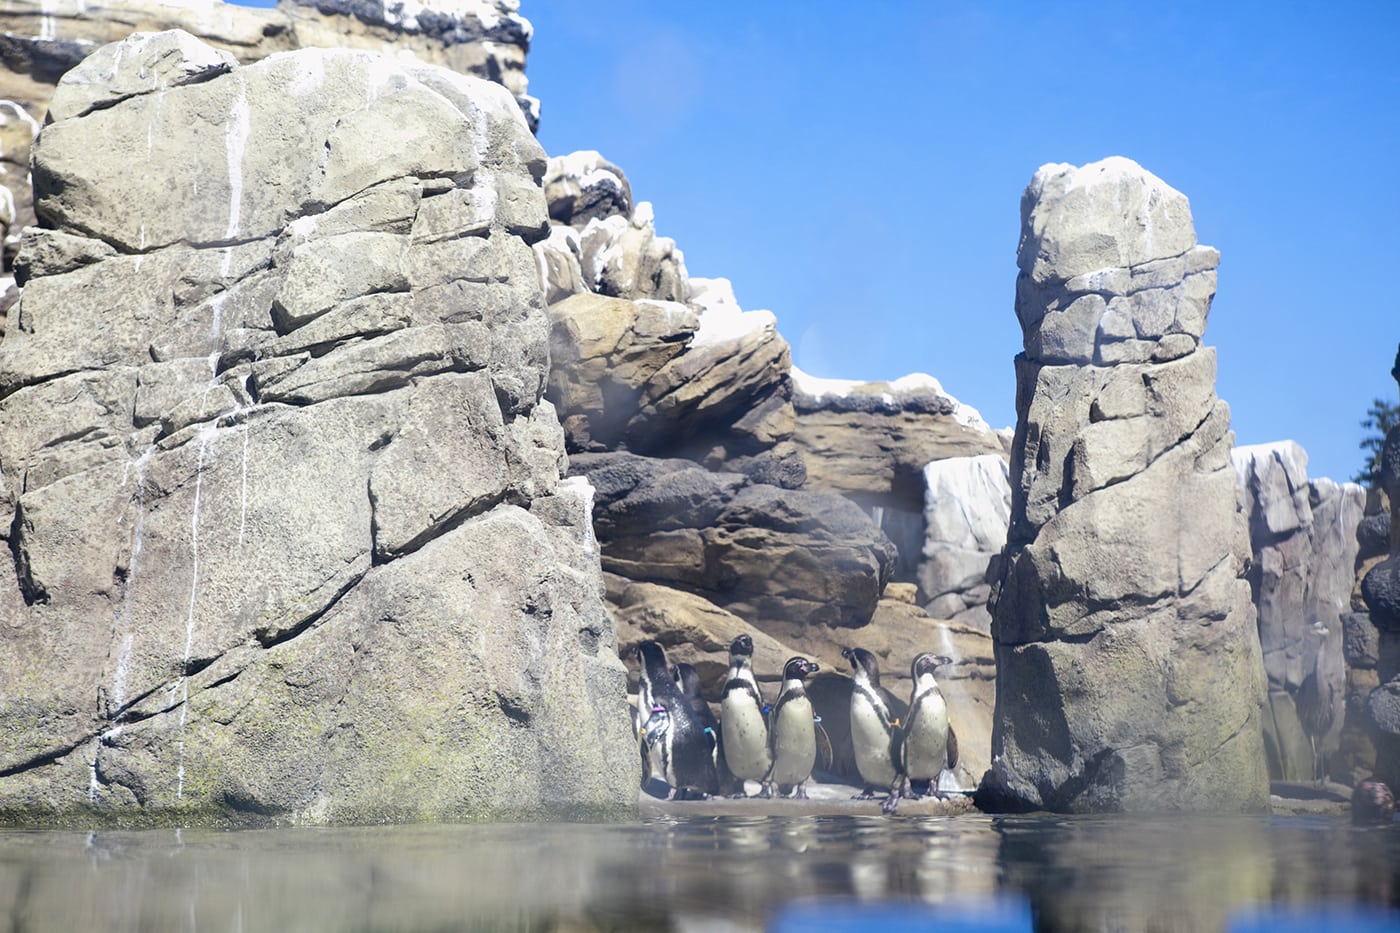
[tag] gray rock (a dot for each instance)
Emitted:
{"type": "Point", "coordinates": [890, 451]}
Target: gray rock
{"type": "Point", "coordinates": [1381, 590]}
{"type": "Point", "coordinates": [582, 186]}
{"type": "Point", "coordinates": [1303, 536]}
{"type": "Point", "coordinates": [162, 60]}
{"type": "Point", "coordinates": [1110, 270]}
{"type": "Point", "coordinates": [291, 540]}
{"type": "Point", "coordinates": [1384, 707]}
{"type": "Point", "coordinates": [47, 38]}
{"type": "Point", "coordinates": [1129, 670]}
{"type": "Point", "coordinates": [623, 257]}
{"type": "Point", "coordinates": [872, 440]}
{"type": "Point", "coordinates": [784, 559]}
{"type": "Point", "coordinates": [706, 382]}
{"type": "Point", "coordinates": [1361, 640]}
{"type": "Point", "coordinates": [1373, 536]}
{"type": "Point", "coordinates": [967, 509]}
{"type": "Point", "coordinates": [1388, 477]}
{"type": "Point", "coordinates": [558, 257]}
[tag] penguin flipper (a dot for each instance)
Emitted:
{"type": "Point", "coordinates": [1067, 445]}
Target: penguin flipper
{"type": "Point", "coordinates": [897, 751]}
{"type": "Point", "coordinates": [952, 748]}
{"type": "Point", "coordinates": [826, 756]}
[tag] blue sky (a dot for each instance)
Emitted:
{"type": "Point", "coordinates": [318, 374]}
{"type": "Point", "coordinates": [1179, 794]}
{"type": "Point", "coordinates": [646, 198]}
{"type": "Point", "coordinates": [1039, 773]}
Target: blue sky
{"type": "Point", "coordinates": [857, 169]}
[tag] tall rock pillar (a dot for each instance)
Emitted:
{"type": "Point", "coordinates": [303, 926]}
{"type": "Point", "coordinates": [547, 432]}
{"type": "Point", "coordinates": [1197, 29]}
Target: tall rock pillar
{"type": "Point", "coordinates": [1129, 673]}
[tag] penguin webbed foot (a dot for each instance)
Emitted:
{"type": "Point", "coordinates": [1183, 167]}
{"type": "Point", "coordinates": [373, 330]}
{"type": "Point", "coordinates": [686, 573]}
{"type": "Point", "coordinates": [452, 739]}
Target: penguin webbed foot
{"type": "Point", "coordinates": [765, 791]}
{"type": "Point", "coordinates": [891, 804]}
{"type": "Point", "coordinates": [801, 792]}
{"type": "Point", "coordinates": [867, 794]}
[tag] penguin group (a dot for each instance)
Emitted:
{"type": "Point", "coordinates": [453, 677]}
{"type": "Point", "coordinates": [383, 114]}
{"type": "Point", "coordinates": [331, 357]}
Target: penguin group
{"type": "Point", "coordinates": [905, 759]}
{"type": "Point", "coordinates": [683, 745]}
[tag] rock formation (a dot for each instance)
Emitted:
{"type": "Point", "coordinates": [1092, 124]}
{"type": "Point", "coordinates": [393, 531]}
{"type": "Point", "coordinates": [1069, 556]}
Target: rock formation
{"type": "Point", "coordinates": [786, 559]}
{"type": "Point", "coordinates": [870, 442]}
{"type": "Point", "coordinates": [1380, 588]}
{"type": "Point", "coordinates": [967, 508]}
{"type": "Point", "coordinates": [282, 492]}
{"type": "Point", "coordinates": [1303, 536]}
{"type": "Point", "coordinates": [706, 381]}
{"type": "Point", "coordinates": [1129, 674]}
{"type": "Point", "coordinates": [42, 39]}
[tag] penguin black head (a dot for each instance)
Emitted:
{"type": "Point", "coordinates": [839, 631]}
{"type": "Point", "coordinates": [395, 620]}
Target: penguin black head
{"type": "Point", "coordinates": [927, 663]}
{"type": "Point", "coordinates": [741, 647]}
{"type": "Point", "coordinates": [863, 662]}
{"type": "Point", "coordinates": [653, 660]}
{"type": "Point", "coordinates": [799, 668]}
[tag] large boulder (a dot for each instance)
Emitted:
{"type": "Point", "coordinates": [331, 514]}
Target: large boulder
{"type": "Point", "coordinates": [623, 257]}
{"type": "Point", "coordinates": [1303, 537]}
{"type": "Point", "coordinates": [43, 39]}
{"type": "Point", "coordinates": [1129, 673]}
{"type": "Point", "coordinates": [705, 381]}
{"type": "Point", "coordinates": [785, 559]}
{"type": "Point", "coordinates": [284, 493]}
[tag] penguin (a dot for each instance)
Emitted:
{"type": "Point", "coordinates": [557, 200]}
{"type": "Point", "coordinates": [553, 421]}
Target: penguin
{"type": "Point", "coordinates": [875, 737]}
{"type": "Point", "coordinates": [792, 731]}
{"type": "Point", "coordinates": [930, 744]}
{"type": "Point", "coordinates": [679, 750]}
{"type": "Point", "coordinates": [688, 680]}
{"type": "Point", "coordinates": [744, 731]}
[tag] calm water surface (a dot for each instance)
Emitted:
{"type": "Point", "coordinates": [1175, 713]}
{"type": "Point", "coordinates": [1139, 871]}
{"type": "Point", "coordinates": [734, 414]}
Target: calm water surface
{"type": "Point", "coordinates": [717, 873]}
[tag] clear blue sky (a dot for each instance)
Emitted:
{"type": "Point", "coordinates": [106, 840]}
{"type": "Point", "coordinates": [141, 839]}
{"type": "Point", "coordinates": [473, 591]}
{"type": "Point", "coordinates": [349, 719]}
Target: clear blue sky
{"type": "Point", "coordinates": [857, 167]}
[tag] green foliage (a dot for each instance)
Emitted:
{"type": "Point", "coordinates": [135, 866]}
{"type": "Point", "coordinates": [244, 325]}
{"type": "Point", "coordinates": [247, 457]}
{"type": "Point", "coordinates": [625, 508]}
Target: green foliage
{"type": "Point", "coordinates": [1381, 417]}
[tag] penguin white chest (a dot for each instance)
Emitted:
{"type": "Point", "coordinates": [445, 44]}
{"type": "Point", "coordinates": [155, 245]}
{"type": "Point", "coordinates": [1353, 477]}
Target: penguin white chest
{"type": "Point", "coordinates": [656, 736]}
{"type": "Point", "coordinates": [870, 740]}
{"type": "Point", "coordinates": [926, 745]}
{"type": "Point", "coordinates": [794, 742]}
{"type": "Point", "coordinates": [745, 736]}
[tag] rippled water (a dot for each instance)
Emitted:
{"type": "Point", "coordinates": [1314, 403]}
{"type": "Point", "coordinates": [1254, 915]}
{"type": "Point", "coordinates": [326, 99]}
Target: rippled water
{"type": "Point", "coordinates": [716, 873]}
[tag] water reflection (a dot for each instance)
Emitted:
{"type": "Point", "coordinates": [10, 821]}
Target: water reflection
{"type": "Point", "coordinates": [707, 873]}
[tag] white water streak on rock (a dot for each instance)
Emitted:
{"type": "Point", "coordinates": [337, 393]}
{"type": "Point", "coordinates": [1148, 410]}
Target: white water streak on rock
{"type": "Point", "coordinates": [138, 536]}
{"type": "Point", "coordinates": [235, 143]}
{"type": "Point", "coordinates": [243, 495]}
{"type": "Point", "coordinates": [205, 435]}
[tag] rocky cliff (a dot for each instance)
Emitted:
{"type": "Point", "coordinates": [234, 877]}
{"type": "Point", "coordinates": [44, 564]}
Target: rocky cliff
{"type": "Point", "coordinates": [284, 500]}
{"type": "Point", "coordinates": [1129, 674]}
{"type": "Point", "coordinates": [1303, 538]}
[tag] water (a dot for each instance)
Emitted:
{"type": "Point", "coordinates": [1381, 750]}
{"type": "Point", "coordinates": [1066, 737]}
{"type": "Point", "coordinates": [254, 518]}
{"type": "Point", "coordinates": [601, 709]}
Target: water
{"type": "Point", "coordinates": [717, 873]}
